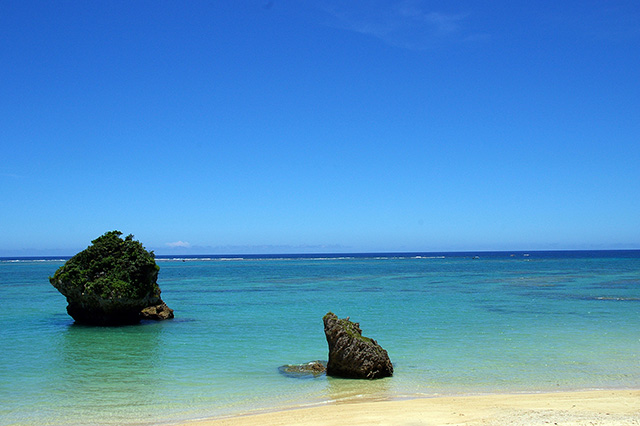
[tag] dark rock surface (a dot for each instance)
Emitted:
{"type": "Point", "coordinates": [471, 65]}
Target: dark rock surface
{"type": "Point", "coordinates": [304, 371]}
{"type": "Point", "coordinates": [104, 312]}
{"type": "Point", "coordinates": [352, 355]}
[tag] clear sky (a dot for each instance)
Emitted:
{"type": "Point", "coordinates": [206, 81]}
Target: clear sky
{"type": "Point", "coordinates": [289, 126]}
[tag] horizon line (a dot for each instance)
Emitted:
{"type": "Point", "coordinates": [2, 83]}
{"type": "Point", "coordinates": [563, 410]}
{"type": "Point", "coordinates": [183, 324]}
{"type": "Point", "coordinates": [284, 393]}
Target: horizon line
{"type": "Point", "coordinates": [331, 254]}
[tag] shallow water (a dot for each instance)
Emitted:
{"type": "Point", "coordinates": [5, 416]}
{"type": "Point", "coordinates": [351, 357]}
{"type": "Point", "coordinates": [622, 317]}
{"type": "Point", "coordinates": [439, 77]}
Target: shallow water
{"type": "Point", "coordinates": [453, 324]}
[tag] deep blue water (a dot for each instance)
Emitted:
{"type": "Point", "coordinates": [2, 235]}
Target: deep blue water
{"type": "Point", "coordinates": [452, 324]}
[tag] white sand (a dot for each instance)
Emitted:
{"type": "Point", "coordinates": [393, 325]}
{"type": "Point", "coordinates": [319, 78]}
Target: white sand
{"type": "Point", "coordinates": [589, 408]}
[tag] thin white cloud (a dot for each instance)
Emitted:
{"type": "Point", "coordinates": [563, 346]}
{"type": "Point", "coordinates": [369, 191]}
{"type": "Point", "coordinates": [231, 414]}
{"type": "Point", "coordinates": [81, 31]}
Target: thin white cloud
{"type": "Point", "coordinates": [11, 175]}
{"type": "Point", "coordinates": [182, 244]}
{"type": "Point", "coordinates": [252, 249]}
{"type": "Point", "coordinates": [401, 23]}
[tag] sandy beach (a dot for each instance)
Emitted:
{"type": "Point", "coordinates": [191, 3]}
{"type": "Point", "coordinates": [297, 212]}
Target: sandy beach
{"type": "Point", "coordinates": [587, 408]}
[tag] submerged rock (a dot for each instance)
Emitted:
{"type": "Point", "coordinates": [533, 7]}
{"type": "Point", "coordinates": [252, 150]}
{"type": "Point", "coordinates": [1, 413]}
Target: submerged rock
{"type": "Point", "coordinates": [304, 371]}
{"type": "Point", "coordinates": [352, 355]}
{"type": "Point", "coordinates": [111, 282]}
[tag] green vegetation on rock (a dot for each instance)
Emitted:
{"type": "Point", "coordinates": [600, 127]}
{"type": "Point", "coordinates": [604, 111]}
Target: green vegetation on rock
{"type": "Point", "coordinates": [351, 328]}
{"type": "Point", "coordinates": [109, 282]}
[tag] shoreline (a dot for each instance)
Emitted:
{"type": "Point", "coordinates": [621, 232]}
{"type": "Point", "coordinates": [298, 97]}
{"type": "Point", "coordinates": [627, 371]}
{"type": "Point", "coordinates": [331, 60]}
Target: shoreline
{"type": "Point", "coordinates": [565, 408]}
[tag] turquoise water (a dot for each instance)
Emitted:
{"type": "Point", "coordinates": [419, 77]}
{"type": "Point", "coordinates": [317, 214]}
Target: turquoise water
{"type": "Point", "coordinates": [451, 324]}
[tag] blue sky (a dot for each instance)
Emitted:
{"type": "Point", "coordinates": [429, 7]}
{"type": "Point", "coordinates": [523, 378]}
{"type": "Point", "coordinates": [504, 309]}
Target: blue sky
{"type": "Point", "coordinates": [289, 126]}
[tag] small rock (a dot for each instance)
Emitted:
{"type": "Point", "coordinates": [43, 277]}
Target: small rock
{"type": "Point", "coordinates": [157, 312]}
{"type": "Point", "coordinates": [304, 371]}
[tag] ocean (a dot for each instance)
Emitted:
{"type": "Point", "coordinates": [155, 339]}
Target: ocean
{"type": "Point", "coordinates": [452, 323]}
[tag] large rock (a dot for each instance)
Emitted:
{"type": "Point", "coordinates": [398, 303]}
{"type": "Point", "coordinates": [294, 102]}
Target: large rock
{"type": "Point", "coordinates": [352, 355]}
{"type": "Point", "coordinates": [110, 282]}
